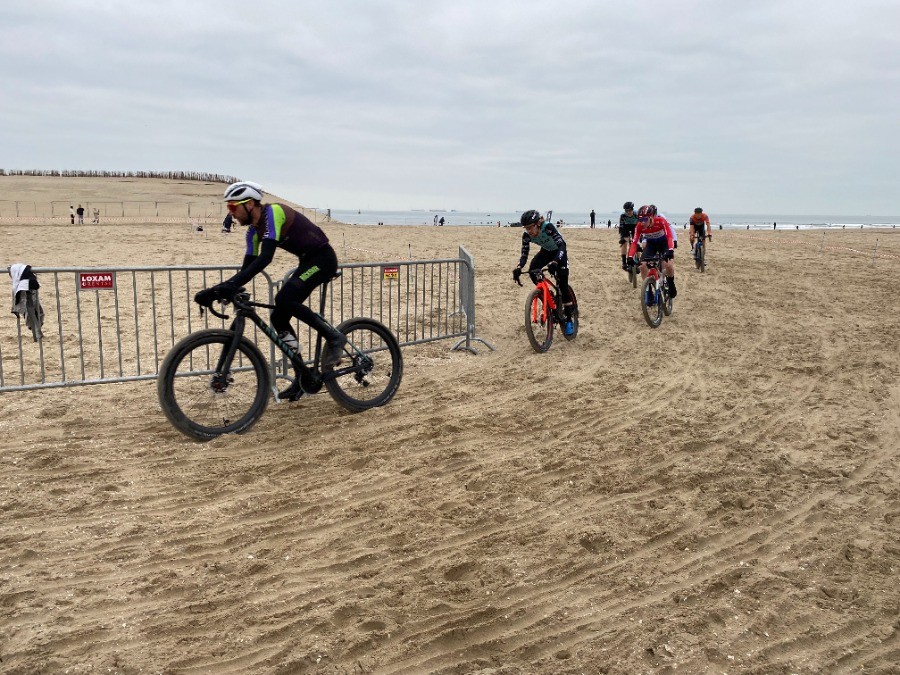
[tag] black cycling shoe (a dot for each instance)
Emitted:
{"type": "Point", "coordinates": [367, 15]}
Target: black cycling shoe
{"type": "Point", "coordinates": [293, 393]}
{"type": "Point", "coordinates": [672, 290]}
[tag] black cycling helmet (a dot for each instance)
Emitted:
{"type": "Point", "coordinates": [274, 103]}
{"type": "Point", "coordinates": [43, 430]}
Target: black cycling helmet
{"type": "Point", "coordinates": [530, 218]}
{"type": "Point", "coordinates": [651, 210]}
{"type": "Point", "coordinates": [628, 206]}
{"type": "Point", "coordinates": [698, 210]}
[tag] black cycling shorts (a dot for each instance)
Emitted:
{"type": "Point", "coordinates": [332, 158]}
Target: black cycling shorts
{"type": "Point", "coordinates": [626, 234]}
{"type": "Point", "coordinates": [654, 248]}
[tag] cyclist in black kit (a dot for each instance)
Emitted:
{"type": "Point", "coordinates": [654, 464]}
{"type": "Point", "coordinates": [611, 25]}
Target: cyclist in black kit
{"type": "Point", "coordinates": [552, 255]}
{"type": "Point", "coordinates": [275, 226]}
{"type": "Point", "coordinates": [627, 223]}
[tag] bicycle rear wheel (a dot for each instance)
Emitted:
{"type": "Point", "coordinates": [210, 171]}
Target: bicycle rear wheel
{"type": "Point", "coordinates": [668, 303]}
{"type": "Point", "coordinates": [573, 315]}
{"type": "Point", "coordinates": [202, 402]}
{"type": "Point", "coordinates": [376, 366]}
{"type": "Point", "coordinates": [538, 321]}
{"type": "Point", "coordinates": [651, 304]}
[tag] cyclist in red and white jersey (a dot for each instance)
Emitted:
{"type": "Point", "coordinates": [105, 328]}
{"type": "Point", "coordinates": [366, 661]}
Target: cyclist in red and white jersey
{"type": "Point", "coordinates": [658, 240]}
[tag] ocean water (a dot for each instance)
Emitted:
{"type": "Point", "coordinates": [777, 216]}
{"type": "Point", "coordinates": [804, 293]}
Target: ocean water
{"type": "Point", "coordinates": [725, 221]}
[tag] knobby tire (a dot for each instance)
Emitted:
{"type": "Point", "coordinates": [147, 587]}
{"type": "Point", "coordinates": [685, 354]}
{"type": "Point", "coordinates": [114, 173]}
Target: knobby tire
{"type": "Point", "coordinates": [376, 372]}
{"type": "Point", "coordinates": [668, 304]}
{"type": "Point", "coordinates": [538, 321]}
{"type": "Point", "coordinates": [653, 314]}
{"type": "Point", "coordinates": [204, 405]}
{"type": "Point", "coordinates": [574, 316]}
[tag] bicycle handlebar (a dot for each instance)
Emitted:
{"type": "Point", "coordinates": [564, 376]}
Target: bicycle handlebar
{"type": "Point", "coordinates": [240, 300]}
{"type": "Point", "coordinates": [540, 271]}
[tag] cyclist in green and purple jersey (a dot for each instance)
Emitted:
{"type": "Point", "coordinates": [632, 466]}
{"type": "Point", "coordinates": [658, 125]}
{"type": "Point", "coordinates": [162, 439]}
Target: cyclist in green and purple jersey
{"type": "Point", "coordinates": [274, 226]}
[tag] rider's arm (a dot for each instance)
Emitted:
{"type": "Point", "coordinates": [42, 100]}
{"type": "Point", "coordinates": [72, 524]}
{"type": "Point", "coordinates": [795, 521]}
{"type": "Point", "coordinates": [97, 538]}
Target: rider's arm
{"type": "Point", "coordinates": [255, 265]}
{"type": "Point", "coordinates": [638, 231]}
{"type": "Point", "coordinates": [526, 244]}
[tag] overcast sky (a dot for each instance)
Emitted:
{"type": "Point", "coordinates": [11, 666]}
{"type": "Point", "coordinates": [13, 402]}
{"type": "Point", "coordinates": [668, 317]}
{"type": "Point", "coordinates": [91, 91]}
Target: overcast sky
{"type": "Point", "coordinates": [756, 107]}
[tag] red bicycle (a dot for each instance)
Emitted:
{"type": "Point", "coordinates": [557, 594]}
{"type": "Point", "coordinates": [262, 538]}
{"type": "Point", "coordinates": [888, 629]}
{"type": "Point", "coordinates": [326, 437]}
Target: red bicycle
{"type": "Point", "coordinates": [544, 308]}
{"type": "Point", "coordinates": [655, 298]}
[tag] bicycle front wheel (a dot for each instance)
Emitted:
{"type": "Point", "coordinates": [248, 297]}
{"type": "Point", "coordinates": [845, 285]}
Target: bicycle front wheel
{"type": "Point", "coordinates": [203, 398]}
{"type": "Point", "coordinates": [651, 302]}
{"type": "Point", "coordinates": [538, 321]}
{"type": "Point", "coordinates": [700, 256]}
{"type": "Point", "coordinates": [376, 366]}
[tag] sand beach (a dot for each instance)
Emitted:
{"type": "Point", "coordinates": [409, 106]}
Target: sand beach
{"type": "Point", "coordinates": [718, 495]}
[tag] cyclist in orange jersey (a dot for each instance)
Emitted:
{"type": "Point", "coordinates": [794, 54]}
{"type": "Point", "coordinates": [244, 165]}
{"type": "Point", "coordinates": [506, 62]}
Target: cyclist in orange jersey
{"type": "Point", "coordinates": [699, 226]}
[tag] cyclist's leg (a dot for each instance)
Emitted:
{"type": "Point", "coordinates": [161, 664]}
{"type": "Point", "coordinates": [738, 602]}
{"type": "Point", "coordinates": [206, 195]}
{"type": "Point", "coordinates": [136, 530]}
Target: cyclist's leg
{"type": "Point", "coordinates": [537, 262]}
{"type": "Point", "coordinates": [669, 270]}
{"type": "Point", "coordinates": [314, 269]}
{"type": "Point", "coordinates": [562, 283]}
{"type": "Point", "coordinates": [648, 251]}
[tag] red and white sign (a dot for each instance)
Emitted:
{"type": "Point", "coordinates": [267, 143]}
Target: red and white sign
{"type": "Point", "coordinates": [92, 281]}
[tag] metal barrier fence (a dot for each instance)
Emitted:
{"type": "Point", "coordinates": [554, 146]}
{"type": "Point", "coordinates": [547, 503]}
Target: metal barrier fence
{"type": "Point", "coordinates": [127, 211]}
{"type": "Point", "coordinates": [116, 325]}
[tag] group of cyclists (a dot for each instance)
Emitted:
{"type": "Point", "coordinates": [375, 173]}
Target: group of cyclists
{"type": "Point", "coordinates": [646, 231]}
{"type": "Point", "coordinates": [272, 226]}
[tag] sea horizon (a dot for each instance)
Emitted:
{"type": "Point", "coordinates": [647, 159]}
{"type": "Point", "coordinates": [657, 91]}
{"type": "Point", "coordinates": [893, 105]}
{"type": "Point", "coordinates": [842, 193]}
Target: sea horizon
{"type": "Point", "coordinates": [582, 220]}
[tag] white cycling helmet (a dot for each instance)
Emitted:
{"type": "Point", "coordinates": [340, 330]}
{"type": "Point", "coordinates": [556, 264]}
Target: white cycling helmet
{"type": "Point", "coordinates": [242, 190]}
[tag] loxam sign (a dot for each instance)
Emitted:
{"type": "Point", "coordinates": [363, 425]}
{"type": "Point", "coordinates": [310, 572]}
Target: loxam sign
{"type": "Point", "coordinates": [93, 281]}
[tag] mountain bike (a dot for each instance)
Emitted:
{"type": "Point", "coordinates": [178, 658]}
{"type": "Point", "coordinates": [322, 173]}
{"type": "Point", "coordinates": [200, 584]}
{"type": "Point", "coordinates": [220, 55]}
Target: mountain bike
{"type": "Point", "coordinates": [544, 308]}
{"type": "Point", "coordinates": [700, 253]}
{"type": "Point", "coordinates": [655, 299]}
{"type": "Point", "coordinates": [216, 381]}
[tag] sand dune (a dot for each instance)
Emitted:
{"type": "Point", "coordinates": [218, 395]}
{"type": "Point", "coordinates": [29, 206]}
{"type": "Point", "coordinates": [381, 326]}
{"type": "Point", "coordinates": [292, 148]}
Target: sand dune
{"type": "Point", "coordinates": [719, 495]}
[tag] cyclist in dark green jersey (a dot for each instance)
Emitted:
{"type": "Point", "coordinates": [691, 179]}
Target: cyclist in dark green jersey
{"type": "Point", "coordinates": [627, 222]}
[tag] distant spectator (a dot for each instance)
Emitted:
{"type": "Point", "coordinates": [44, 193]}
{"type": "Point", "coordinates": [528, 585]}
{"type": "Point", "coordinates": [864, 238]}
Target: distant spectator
{"type": "Point", "coordinates": [441, 221]}
{"type": "Point", "coordinates": [593, 219]}
{"type": "Point", "coordinates": [72, 213]}
{"type": "Point", "coordinates": [608, 224]}
{"type": "Point", "coordinates": [96, 216]}
{"type": "Point", "coordinates": [80, 212]}
{"type": "Point", "coordinates": [226, 224]}
{"type": "Point", "coordinates": [774, 225]}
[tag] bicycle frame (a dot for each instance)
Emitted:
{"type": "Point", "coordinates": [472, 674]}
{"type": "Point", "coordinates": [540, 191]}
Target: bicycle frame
{"type": "Point", "coordinates": [548, 290]}
{"type": "Point", "coordinates": [312, 378]}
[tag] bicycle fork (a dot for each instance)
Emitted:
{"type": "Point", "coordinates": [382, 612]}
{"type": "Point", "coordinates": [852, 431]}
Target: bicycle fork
{"type": "Point", "coordinates": [223, 366]}
{"type": "Point", "coordinates": [547, 309]}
